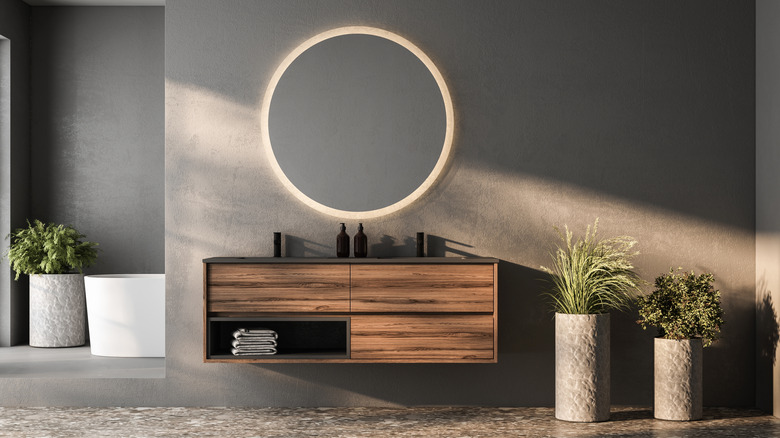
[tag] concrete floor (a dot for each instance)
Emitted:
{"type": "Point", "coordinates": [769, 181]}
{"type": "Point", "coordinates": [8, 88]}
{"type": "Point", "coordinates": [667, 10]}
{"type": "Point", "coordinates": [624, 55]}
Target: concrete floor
{"type": "Point", "coordinates": [369, 422]}
{"type": "Point", "coordinates": [74, 363]}
{"type": "Point", "coordinates": [28, 362]}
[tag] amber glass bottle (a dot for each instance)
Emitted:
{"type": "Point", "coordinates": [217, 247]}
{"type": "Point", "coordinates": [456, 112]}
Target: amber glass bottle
{"type": "Point", "coordinates": [361, 242]}
{"type": "Point", "coordinates": [342, 242]}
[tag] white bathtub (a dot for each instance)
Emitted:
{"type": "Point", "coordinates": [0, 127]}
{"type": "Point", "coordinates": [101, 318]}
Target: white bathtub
{"type": "Point", "coordinates": [126, 314]}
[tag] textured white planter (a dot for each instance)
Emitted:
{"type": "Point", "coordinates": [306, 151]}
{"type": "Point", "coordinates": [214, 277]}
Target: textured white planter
{"type": "Point", "coordinates": [582, 367]}
{"type": "Point", "coordinates": [126, 314]}
{"type": "Point", "coordinates": [678, 379]}
{"type": "Point", "coordinates": [58, 310]}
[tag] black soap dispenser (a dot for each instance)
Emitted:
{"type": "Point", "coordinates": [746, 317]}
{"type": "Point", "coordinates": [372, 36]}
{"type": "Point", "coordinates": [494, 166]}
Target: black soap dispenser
{"type": "Point", "coordinates": [361, 242]}
{"type": "Point", "coordinates": [342, 242]}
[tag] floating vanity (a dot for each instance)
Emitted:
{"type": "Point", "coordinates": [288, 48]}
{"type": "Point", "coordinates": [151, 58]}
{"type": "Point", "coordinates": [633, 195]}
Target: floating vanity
{"type": "Point", "coordinates": [401, 310]}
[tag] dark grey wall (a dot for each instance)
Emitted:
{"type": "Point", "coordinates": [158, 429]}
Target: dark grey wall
{"type": "Point", "coordinates": [767, 207]}
{"type": "Point", "coordinates": [98, 129]}
{"type": "Point", "coordinates": [15, 166]}
{"type": "Point", "coordinates": [640, 113]}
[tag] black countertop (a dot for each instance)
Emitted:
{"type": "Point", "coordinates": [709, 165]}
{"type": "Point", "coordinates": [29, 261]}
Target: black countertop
{"type": "Point", "coordinates": [353, 260]}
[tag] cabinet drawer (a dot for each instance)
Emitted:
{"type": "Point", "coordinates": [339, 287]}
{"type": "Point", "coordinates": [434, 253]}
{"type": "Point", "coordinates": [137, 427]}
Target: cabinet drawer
{"type": "Point", "coordinates": [429, 338]}
{"type": "Point", "coordinates": [277, 288]}
{"type": "Point", "coordinates": [422, 288]}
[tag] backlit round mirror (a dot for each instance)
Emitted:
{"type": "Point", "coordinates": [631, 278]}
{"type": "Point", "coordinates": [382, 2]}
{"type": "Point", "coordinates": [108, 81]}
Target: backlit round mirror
{"type": "Point", "coordinates": [357, 122]}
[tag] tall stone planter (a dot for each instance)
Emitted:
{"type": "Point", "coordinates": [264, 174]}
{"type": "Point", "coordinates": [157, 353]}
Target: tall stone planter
{"type": "Point", "coordinates": [678, 379]}
{"type": "Point", "coordinates": [582, 367]}
{"type": "Point", "coordinates": [58, 310]}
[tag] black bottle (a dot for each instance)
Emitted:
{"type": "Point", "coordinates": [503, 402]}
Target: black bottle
{"type": "Point", "coordinates": [361, 242]}
{"type": "Point", "coordinates": [420, 244]}
{"type": "Point", "coordinates": [277, 244]}
{"type": "Point", "coordinates": [342, 242]}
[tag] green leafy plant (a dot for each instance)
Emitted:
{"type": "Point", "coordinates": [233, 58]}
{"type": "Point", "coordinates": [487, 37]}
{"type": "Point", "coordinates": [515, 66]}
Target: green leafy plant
{"type": "Point", "coordinates": [49, 249]}
{"type": "Point", "coordinates": [683, 306]}
{"type": "Point", "coordinates": [592, 276]}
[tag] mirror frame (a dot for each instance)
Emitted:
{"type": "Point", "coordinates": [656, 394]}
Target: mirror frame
{"type": "Point", "coordinates": [449, 122]}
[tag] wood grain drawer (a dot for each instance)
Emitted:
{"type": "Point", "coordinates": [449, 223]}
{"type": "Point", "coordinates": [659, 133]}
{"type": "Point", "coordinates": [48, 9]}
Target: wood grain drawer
{"type": "Point", "coordinates": [428, 338]}
{"type": "Point", "coordinates": [277, 288]}
{"type": "Point", "coordinates": [422, 288]}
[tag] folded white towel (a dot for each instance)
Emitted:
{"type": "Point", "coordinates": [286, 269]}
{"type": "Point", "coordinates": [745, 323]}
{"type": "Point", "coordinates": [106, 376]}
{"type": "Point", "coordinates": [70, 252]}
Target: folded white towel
{"type": "Point", "coordinates": [253, 352]}
{"type": "Point", "coordinates": [253, 342]}
{"type": "Point", "coordinates": [242, 332]}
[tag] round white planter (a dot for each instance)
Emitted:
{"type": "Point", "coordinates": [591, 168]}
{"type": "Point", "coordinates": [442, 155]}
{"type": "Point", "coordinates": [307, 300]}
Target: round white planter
{"type": "Point", "coordinates": [58, 310]}
{"type": "Point", "coordinates": [582, 367]}
{"type": "Point", "coordinates": [678, 379]}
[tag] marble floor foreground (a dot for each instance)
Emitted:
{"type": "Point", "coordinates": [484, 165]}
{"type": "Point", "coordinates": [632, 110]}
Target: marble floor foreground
{"type": "Point", "coordinates": [368, 422]}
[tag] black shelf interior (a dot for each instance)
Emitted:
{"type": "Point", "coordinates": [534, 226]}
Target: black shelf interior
{"type": "Point", "coordinates": [299, 338]}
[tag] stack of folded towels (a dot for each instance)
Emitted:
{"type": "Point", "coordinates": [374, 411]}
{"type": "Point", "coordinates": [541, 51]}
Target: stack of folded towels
{"type": "Point", "coordinates": [250, 342]}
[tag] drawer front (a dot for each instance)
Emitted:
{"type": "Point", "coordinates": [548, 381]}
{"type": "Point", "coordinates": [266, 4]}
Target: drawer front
{"type": "Point", "coordinates": [428, 338]}
{"type": "Point", "coordinates": [277, 288]}
{"type": "Point", "coordinates": [422, 288]}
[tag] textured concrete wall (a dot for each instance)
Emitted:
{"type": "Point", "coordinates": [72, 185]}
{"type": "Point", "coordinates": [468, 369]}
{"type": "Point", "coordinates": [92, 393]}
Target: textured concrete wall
{"type": "Point", "coordinates": [640, 113]}
{"type": "Point", "coordinates": [5, 184]}
{"type": "Point", "coordinates": [14, 161]}
{"type": "Point", "coordinates": [98, 131]}
{"type": "Point", "coordinates": [767, 207]}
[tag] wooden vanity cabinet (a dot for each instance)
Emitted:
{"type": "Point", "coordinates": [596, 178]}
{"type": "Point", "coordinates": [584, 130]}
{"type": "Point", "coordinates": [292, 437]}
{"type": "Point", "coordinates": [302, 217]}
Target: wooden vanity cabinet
{"type": "Point", "coordinates": [405, 310]}
{"type": "Point", "coordinates": [423, 338]}
{"type": "Point", "coordinates": [422, 288]}
{"type": "Point", "coordinates": [277, 288]}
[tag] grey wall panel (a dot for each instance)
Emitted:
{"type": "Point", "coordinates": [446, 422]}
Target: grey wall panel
{"type": "Point", "coordinates": [640, 113]}
{"type": "Point", "coordinates": [767, 207]}
{"type": "Point", "coordinates": [98, 130]}
{"type": "Point", "coordinates": [15, 163]}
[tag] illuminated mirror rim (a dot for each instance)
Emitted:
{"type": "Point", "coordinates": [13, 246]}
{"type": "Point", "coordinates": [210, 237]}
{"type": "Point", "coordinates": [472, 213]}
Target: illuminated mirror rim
{"type": "Point", "coordinates": [449, 122]}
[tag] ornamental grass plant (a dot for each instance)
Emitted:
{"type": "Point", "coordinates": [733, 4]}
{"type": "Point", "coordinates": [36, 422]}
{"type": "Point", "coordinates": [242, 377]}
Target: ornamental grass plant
{"type": "Point", "coordinates": [683, 306]}
{"type": "Point", "coordinates": [49, 249]}
{"type": "Point", "coordinates": [590, 276]}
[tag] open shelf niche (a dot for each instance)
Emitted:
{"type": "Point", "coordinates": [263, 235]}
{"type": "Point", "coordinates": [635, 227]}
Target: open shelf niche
{"type": "Point", "coordinates": [298, 337]}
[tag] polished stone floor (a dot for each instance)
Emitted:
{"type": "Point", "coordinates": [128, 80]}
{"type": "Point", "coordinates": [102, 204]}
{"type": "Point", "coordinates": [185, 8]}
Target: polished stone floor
{"type": "Point", "coordinates": [369, 422]}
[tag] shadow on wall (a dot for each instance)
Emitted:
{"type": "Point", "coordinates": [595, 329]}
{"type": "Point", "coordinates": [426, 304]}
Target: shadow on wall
{"type": "Point", "coordinates": [299, 247]}
{"type": "Point", "coordinates": [767, 337]}
{"type": "Point", "coordinates": [387, 247]}
{"type": "Point", "coordinates": [525, 342]}
{"type": "Point", "coordinates": [437, 246]}
{"type": "Point", "coordinates": [766, 318]}
{"type": "Point", "coordinates": [526, 358]}
{"type": "Point", "coordinates": [633, 348]}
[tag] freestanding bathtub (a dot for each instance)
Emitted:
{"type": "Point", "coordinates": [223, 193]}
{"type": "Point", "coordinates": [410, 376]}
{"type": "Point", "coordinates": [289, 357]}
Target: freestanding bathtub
{"type": "Point", "coordinates": [126, 314]}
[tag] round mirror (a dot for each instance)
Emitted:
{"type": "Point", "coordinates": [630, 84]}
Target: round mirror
{"type": "Point", "coordinates": [357, 122]}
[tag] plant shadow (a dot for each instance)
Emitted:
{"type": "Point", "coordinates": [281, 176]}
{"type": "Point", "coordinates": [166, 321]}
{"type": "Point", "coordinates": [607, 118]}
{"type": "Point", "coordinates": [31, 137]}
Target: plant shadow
{"type": "Point", "coordinates": [767, 337]}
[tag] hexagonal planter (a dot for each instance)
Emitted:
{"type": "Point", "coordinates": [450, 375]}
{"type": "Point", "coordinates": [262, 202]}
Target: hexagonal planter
{"type": "Point", "coordinates": [582, 374]}
{"type": "Point", "coordinates": [678, 379]}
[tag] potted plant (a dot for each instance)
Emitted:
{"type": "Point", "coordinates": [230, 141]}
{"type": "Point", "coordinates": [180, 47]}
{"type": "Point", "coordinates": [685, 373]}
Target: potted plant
{"type": "Point", "coordinates": [49, 254]}
{"type": "Point", "coordinates": [686, 309]}
{"type": "Point", "coordinates": [590, 277]}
